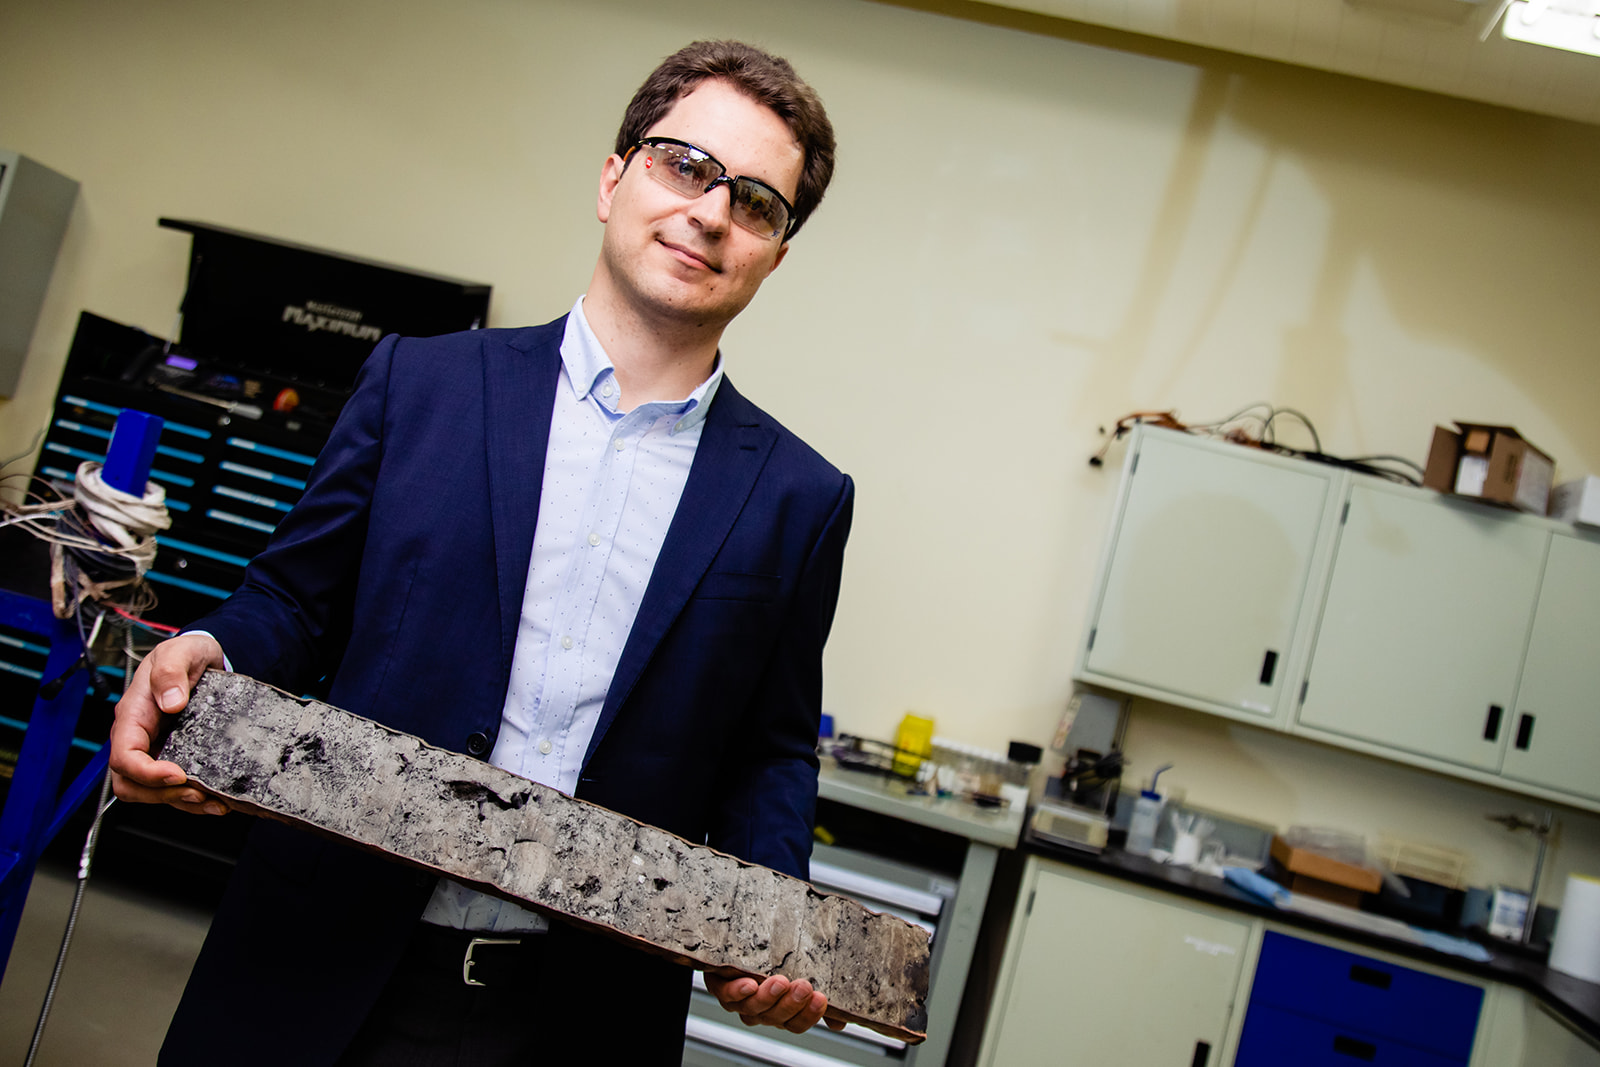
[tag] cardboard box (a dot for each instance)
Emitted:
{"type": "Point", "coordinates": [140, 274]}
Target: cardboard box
{"type": "Point", "coordinates": [1492, 463]}
{"type": "Point", "coordinates": [1323, 877]}
{"type": "Point", "coordinates": [1577, 501]}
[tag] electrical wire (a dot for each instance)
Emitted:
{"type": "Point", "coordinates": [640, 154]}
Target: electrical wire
{"type": "Point", "coordinates": [102, 540]}
{"type": "Point", "coordinates": [26, 452]}
{"type": "Point", "coordinates": [85, 864]}
{"type": "Point", "coordinates": [153, 627]}
{"type": "Point", "coordinates": [1255, 425]}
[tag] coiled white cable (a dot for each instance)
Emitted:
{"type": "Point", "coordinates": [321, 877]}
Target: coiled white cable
{"type": "Point", "coordinates": [128, 521]}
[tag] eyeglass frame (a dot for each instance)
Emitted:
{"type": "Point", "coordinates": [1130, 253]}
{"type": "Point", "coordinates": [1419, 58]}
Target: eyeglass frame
{"type": "Point", "coordinates": [721, 179]}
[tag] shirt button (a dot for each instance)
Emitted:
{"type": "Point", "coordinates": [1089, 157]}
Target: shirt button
{"type": "Point", "coordinates": [544, 747]}
{"type": "Point", "coordinates": [594, 539]}
{"type": "Point", "coordinates": [566, 642]}
{"type": "Point", "coordinates": [605, 390]}
{"type": "Point", "coordinates": [477, 743]}
{"type": "Point", "coordinates": [621, 444]}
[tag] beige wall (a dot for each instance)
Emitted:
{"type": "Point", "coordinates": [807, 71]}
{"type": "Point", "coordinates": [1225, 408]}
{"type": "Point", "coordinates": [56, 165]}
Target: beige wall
{"type": "Point", "coordinates": [1034, 230]}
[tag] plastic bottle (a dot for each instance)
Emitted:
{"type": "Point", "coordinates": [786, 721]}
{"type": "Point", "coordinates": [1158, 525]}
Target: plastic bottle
{"type": "Point", "coordinates": [1022, 763]}
{"type": "Point", "coordinates": [1146, 817]}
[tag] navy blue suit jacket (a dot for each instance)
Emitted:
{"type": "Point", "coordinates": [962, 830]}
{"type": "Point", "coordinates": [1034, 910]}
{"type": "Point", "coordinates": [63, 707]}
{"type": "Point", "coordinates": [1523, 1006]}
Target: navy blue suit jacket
{"type": "Point", "coordinates": [402, 573]}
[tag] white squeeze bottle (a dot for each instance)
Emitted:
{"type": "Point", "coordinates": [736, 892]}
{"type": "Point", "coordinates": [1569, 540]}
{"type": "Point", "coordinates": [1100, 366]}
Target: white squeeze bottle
{"type": "Point", "coordinates": [1146, 817]}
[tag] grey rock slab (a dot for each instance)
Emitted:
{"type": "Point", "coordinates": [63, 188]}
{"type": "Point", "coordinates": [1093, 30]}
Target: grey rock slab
{"type": "Point", "coordinates": [316, 766]}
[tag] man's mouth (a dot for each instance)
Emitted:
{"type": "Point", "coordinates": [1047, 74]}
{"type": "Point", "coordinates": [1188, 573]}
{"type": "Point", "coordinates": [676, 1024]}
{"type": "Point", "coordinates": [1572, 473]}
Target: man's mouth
{"type": "Point", "coordinates": [689, 253]}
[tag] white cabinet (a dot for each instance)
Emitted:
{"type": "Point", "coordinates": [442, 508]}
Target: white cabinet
{"type": "Point", "coordinates": [1098, 971]}
{"type": "Point", "coordinates": [1555, 736]}
{"type": "Point", "coordinates": [1424, 625]}
{"type": "Point", "coordinates": [1353, 611]}
{"type": "Point", "coordinates": [1522, 1032]}
{"type": "Point", "coordinates": [1202, 592]}
{"type": "Point", "coordinates": [1553, 1043]}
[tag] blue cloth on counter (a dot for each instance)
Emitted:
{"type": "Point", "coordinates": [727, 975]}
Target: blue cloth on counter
{"type": "Point", "coordinates": [1257, 885]}
{"type": "Point", "coordinates": [1455, 946]}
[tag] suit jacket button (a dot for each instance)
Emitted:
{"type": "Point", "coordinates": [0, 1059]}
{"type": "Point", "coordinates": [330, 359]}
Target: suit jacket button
{"type": "Point", "coordinates": [478, 744]}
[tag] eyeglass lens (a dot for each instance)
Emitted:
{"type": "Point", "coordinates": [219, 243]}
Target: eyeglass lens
{"type": "Point", "coordinates": [687, 170]}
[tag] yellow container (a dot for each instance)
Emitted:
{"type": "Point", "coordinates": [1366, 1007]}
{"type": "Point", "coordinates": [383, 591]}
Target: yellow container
{"type": "Point", "coordinates": [913, 742]}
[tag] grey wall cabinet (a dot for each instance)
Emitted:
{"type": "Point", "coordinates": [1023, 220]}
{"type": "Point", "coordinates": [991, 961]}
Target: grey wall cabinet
{"type": "Point", "coordinates": [1203, 587]}
{"type": "Point", "coordinates": [1554, 740]}
{"type": "Point", "coordinates": [1425, 629]}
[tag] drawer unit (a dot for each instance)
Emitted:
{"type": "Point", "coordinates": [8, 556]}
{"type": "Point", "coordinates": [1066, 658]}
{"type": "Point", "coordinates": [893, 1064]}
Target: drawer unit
{"type": "Point", "coordinates": [1354, 1008]}
{"type": "Point", "coordinates": [1277, 1038]}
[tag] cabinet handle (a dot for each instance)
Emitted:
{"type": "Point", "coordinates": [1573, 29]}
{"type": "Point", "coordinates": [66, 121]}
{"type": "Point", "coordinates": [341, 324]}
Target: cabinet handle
{"type": "Point", "coordinates": [1370, 976]}
{"type": "Point", "coordinates": [1491, 725]}
{"type": "Point", "coordinates": [1524, 731]}
{"type": "Point", "coordinates": [1269, 665]}
{"type": "Point", "coordinates": [1361, 1050]}
{"type": "Point", "coordinates": [1202, 1053]}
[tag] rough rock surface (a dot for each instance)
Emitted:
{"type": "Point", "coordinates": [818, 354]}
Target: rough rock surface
{"type": "Point", "coordinates": [314, 765]}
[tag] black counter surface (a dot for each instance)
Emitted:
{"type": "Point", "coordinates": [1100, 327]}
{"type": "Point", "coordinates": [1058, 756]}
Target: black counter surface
{"type": "Point", "coordinates": [1573, 999]}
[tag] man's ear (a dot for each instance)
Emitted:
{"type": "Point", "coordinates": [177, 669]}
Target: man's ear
{"type": "Point", "coordinates": [783, 250]}
{"type": "Point", "coordinates": [610, 175]}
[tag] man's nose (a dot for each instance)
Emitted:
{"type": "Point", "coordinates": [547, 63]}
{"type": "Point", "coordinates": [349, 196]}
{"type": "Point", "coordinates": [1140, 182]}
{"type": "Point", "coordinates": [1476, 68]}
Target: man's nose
{"type": "Point", "coordinates": [713, 211]}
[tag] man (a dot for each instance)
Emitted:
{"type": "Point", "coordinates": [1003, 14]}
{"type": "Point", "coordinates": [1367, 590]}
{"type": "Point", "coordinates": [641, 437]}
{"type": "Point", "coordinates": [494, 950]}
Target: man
{"type": "Point", "coordinates": [575, 550]}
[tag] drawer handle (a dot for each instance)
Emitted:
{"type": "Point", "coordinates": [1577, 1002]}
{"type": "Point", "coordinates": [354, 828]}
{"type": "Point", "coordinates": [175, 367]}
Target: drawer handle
{"type": "Point", "coordinates": [1524, 731]}
{"type": "Point", "coordinates": [1491, 725]}
{"type": "Point", "coordinates": [1269, 666]}
{"type": "Point", "coordinates": [1370, 976]}
{"type": "Point", "coordinates": [1361, 1050]}
{"type": "Point", "coordinates": [1202, 1053]}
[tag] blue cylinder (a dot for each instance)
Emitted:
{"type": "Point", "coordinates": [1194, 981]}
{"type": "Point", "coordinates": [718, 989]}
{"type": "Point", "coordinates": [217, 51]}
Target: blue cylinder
{"type": "Point", "coordinates": [133, 448]}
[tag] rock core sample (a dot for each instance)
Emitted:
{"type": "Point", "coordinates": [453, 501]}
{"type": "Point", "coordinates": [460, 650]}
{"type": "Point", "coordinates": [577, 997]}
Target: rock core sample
{"type": "Point", "coordinates": [316, 766]}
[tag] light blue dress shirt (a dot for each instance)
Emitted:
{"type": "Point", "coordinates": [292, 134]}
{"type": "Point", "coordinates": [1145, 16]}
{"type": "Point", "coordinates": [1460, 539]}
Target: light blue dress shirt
{"type": "Point", "coordinates": [612, 482]}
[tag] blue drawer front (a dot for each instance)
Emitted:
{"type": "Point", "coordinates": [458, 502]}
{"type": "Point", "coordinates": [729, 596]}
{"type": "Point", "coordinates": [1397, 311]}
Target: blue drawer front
{"type": "Point", "coordinates": [1276, 1038]}
{"type": "Point", "coordinates": [1378, 998]}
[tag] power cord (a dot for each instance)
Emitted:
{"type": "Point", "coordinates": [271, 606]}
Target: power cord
{"type": "Point", "coordinates": [85, 863]}
{"type": "Point", "coordinates": [1256, 426]}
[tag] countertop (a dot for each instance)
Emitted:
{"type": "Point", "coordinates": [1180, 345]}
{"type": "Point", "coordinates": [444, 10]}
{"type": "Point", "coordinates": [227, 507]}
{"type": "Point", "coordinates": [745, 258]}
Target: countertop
{"type": "Point", "coordinates": [1574, 999]}
{"type": "Point", "coordinates": [1000, 827]}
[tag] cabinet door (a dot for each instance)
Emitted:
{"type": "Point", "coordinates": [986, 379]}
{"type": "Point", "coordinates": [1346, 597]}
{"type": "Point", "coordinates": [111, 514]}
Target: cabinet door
{"type": "Point", "coordinates": [1552, 1043]}
{"type": "Point", "coordinates": [1424, 625]}
{"type": "Point", "coordinates": [1109, 974]}
{"type": "Point", "coordinates": [1555, 738]}
{"type": "Point", "coordinates": [1206, 574]}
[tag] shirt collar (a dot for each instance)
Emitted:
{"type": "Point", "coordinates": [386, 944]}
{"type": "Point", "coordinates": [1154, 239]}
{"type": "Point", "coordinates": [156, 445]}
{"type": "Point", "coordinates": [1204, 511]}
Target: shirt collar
{"type": "Point", "coordinates": [588, 366]}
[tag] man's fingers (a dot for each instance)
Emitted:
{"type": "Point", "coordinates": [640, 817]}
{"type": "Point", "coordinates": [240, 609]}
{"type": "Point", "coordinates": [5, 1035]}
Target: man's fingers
{"type": "Point", "coordinates": [730, 992]}
{"type": "Point", "coordinates": [176, 665]}
{"type": "Point", "coordinates": [794, 1006]}
{"type": "Point", "coordinates": [801, 1008]}
{"type": "Point", "coordinates": [187, 798]}
{"type": "Point", "coordinates": [161, 685]}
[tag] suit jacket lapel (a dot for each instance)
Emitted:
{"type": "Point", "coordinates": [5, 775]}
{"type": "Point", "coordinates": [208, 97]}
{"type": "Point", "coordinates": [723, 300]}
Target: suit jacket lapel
{"type": "Point", "coordinates": [520, 372]}
{"type": "Point", "coordinates": [734, 446]}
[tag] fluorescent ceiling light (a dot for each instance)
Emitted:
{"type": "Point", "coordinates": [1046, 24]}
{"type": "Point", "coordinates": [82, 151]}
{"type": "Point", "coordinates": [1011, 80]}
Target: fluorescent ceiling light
{"type": "Point", "coordinates": [1570, 24]}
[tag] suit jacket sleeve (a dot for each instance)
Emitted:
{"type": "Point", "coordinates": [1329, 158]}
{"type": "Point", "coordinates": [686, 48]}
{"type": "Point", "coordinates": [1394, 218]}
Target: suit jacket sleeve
{"type": "Point", "coordinates": [289, 621]}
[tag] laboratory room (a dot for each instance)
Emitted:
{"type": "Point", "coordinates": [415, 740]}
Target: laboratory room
{"type": "Point", "coordinates": [1125, 592]}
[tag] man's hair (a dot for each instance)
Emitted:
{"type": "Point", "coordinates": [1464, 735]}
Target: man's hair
{"type": "Point", "coordinates": [767, 79]}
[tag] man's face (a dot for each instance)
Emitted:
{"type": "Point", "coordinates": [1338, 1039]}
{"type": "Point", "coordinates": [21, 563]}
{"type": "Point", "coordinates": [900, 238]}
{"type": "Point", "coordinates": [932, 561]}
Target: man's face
{"type": "Point", "coordinates": [682, 260]}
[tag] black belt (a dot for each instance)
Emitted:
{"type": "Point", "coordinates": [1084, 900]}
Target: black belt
{"type": "Point", "coordinates": [481, 959]}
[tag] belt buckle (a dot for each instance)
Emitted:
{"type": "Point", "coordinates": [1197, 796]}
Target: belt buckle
{"type": "Point", "coordinates": [467, 961]}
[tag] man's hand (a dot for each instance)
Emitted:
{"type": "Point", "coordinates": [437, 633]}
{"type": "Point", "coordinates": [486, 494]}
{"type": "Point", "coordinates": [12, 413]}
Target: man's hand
{"type": "Point", "coordinates": [795, 1006]}
{"type": "Point", "coordinates": [160, 686]}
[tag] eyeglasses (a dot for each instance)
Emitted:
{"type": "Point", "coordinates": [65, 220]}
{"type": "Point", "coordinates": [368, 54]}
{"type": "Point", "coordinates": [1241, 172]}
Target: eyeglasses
{"type": "Point", "coordinates": [694, 172]}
